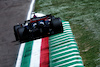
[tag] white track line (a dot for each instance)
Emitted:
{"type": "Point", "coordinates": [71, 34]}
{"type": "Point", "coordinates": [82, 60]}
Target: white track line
{"type": "Point", "coordinates": [30, 9]}
{"type": "Point", "coordinates": [20, 54]}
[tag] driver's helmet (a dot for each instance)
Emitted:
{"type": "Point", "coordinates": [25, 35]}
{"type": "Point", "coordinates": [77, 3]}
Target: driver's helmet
{"type": "Point", "coordinates": [41, 23]}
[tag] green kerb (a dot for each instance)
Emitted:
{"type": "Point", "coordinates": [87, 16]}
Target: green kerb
{"type": "Point", "coordinates": [63, 49]}
{"type": "Point", "coordinates": [27, 54]}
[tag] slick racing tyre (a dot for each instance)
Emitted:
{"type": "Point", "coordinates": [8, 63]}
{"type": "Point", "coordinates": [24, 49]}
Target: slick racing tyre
{"type": "Point", "coordinates": [57, 25]}
{"type": "Point", "coordinates": [16, 32]}
{"type": "Point", "coordinates": [21, 34]}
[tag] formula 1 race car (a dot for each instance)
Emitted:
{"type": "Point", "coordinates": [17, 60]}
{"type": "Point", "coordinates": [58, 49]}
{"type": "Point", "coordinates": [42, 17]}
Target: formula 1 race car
{"type": "Point", "coordinates": [38, 27]}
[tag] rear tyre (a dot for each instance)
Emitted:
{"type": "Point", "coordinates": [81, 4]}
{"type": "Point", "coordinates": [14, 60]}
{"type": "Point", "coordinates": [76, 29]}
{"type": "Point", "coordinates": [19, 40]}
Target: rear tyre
{"type": "Point", "coordinates": [16, 32]}
{"type": "Point", "coordinates": [21, 34]}
{"type": "Point", "coordinates": [57, 25]}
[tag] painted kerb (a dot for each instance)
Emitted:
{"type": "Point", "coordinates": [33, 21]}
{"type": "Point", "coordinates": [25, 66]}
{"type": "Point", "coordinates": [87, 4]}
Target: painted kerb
{"type": "Point", "coordinates": [63, 49]}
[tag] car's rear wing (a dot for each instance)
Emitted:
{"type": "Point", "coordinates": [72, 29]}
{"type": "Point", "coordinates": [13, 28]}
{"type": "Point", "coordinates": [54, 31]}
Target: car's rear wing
{"type": "Point", "coordinates": [35, 19]}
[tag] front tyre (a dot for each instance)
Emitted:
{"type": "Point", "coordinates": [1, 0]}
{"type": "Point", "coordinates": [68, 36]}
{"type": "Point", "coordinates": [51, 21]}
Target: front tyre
{"type": "Point", "coordinates": [57, 25]}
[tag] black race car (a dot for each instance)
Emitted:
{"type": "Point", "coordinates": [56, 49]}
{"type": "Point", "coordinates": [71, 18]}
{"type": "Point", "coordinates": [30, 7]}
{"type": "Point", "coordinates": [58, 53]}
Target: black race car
{"type": "Point", "coordinates": [38, 27]}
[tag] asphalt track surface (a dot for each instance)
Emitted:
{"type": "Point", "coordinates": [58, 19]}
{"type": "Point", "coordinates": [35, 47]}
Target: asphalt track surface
{"type": "Point", "coordinates": [11, 13]}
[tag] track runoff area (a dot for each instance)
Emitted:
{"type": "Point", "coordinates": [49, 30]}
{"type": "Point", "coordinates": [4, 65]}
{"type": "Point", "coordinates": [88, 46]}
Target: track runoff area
{"type": "Point", "coordinates": [58, 50]}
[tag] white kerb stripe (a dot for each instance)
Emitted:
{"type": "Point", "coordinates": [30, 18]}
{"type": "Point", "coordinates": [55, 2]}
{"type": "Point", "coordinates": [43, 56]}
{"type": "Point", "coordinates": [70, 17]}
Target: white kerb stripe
{"type": "Point", "coordinates": [69, 62]}
{"type": "Point", "coordinates": [64, 48]}
{"type": "Point", "coordinates": [62, 39]}
{"type": "Point", "coordinates": [20, 54]}
{"type": "Point", "coordinates": [65, 22]}
{"type": "Point", "coordinates": [66, 55]}
{"type": "Point", "coordinates": [64, 51]}
{"type": "Point", "coordinates": [62, 44]}
{"type": "Point", "coordinates": [35, 55]}
{"type": "Point", "coordinates": [68, 58]}
{"type": "Point", "coordinates": [76, 65]}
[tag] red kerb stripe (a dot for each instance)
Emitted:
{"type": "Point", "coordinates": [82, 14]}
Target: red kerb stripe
{"type": "Point", "coordinates": [44, 55]}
